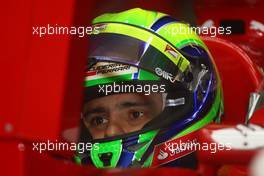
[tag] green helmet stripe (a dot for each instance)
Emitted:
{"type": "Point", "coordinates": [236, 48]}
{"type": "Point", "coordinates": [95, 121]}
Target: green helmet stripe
{"type": "Point", "coordinates": [179, 34]}
{"type": "Point", "coordinates": [191, 41]}
{"type": "Point", "coordinates": [148, 161]}
{"type": "Point", "coordinates": [146, 137]}
{"type": "Point", "coordinates": [77, 159]}
{"type": "Point", "coordinates": [114, 147]}
{"type": "Point", "coordinates": [147, 37]}
{"type": "Point", "coordinates": [143, 75]}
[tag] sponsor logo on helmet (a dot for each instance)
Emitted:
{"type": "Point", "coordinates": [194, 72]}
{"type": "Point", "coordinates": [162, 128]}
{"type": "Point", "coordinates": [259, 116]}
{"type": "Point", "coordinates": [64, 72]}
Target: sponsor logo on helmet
{"type": "Point", "coordinates": [164, 74]}
{"type": "Point", "coordinates": [162, 155]}
{"type": "Point", "coordinates": [174, 149]}
{"type": "Point", "coordinates": [107, 69]}
{"type": "Point", "coordinates": [171, 51]}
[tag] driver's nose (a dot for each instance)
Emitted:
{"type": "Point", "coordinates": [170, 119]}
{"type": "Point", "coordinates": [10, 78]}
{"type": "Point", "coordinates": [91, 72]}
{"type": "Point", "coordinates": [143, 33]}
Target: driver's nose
{"type": "Point", "coordinates": [114, 127]}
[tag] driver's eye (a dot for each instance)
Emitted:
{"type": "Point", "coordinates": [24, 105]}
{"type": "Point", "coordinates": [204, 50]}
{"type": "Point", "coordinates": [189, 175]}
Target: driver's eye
{"type": "Point", "coordinates": [136, 114]}
{"type": "Point", "coordinates": [98, 120]}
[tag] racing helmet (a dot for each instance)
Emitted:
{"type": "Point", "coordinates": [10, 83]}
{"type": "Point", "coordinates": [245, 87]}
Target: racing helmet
{"type": "Point", "coordinates": [140, 47]}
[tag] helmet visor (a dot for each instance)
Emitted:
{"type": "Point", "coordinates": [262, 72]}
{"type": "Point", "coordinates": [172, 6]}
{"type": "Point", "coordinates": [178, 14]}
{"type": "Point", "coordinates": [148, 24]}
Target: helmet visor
{"type": "Point", "coordinates": [165, 62]}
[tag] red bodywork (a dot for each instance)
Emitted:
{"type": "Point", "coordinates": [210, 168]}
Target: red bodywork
{"type": "Point", "coordinates": [252, 39]}
{"type": "Point", "coordinates": [41, 85]}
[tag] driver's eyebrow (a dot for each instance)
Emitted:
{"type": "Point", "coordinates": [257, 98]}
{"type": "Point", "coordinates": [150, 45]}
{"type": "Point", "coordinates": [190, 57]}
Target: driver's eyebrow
{"type": "Point", "coordinates": [96, 110]}
{"type": "Point", "coordinates": [128, 104]}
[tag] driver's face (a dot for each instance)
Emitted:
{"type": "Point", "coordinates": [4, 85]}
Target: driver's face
{"type": "Point", "coordinates": [120, 114]}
